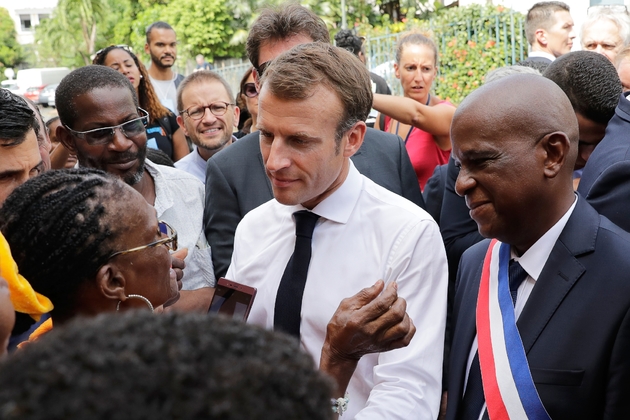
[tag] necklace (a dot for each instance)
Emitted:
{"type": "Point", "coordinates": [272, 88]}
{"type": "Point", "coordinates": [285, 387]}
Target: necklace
{"type": "Point", "coordinates": [156, 84]}
{"type": "Point", "coordinates": [412, 127]}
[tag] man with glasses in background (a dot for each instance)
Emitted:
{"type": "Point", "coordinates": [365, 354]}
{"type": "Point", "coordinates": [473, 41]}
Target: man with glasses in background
{"type": "Point", "coordinates": [207, 115]}
{"type": "Point", "coordinates": [104, 127]}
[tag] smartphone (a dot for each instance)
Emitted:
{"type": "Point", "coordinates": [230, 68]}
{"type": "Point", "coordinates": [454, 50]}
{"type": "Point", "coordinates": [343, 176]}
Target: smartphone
{"type": "Point", "coordinates": [232, 299]}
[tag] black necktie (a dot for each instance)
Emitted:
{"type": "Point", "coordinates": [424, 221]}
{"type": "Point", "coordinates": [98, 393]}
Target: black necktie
{"type": "Point", "coordinates": [473, 396]}
{"type": "Point", "coordinates": [289, 298]}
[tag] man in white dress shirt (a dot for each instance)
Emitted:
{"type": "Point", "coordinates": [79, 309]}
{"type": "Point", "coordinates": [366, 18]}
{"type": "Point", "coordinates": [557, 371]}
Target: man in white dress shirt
{"type": "Point", "coordinates": [312, 106]}
{"type": "Point", "coordinates": [207, 115]}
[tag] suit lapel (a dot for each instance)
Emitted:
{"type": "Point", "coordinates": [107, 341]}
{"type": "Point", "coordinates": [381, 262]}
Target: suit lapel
{"type": "Point", "coordinates": [561, 271]}
{"type": "Point", "coordinates": [262, 167]}
{"type": "Point", "coordinates": [466, 329]}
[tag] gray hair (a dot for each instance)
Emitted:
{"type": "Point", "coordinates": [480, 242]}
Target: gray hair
{"type": "Point", "coordinates": [621, 19]}
{"type": "Point", "coordinates": [501, 72]}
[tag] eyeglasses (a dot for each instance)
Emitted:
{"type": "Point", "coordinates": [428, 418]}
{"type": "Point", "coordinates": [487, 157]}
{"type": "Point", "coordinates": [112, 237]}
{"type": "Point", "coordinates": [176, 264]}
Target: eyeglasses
{"type": "Point", "coordinates": [260, 69]}
{"type": "Point", "coordinates": [249, 89]}
{"type": "Point", "coordinates": [196, 112]}
{"type": "Point", "coordinates": [164, 229]}
{"type": "Point", "coordinates": [103, 135]}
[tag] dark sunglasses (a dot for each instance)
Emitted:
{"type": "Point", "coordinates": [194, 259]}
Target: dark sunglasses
{"type": "Point", "coordinates": [260, 69]}
{"type": "Point", "coordinates": [103, 135]}
{"type": "Point", "coordinates": [249, 89]}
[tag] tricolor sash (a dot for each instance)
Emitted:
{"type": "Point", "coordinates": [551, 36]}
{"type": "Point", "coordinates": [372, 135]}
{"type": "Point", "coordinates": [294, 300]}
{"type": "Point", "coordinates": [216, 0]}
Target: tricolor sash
{"type": "Point", "coordinates": [507, 381]}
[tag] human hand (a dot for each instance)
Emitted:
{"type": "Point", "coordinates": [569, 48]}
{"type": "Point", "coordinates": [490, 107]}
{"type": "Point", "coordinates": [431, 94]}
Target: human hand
{"type": "Point", "coordinates": [369, 322]}
{"type": "Point", "coordinates": [179, 265]}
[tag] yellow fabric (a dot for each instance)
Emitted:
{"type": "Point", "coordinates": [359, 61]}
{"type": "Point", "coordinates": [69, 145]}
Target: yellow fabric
{"type": "Point", "coordinates": [39, 331]}
{"type": "Point", "coordinates": [23, 297]}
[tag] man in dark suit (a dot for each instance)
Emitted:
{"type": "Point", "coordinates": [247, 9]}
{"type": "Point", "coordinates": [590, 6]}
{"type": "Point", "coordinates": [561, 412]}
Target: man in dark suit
{"type": "Point", "coordinates": [549, 31]}
{"type": "Point", "coordinates": [572, 305]}
{"type": "Point", "coordinates": [235, 179]}
{"type": "Point", "coordinates": [605, 179]}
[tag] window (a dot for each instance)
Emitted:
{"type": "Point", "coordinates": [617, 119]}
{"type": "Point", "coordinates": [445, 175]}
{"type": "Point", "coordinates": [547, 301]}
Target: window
{"type": "Point", "coordinates": [25, 21]}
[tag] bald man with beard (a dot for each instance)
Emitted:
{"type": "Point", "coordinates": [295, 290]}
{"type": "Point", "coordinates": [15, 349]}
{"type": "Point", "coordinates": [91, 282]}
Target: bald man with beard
{"type": "Point", "coordinates": [541, 306]}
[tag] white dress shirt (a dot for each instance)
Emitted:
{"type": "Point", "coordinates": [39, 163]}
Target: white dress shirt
{"type": "Point", "coordinates": [179, 201]}
{"type": "Point", "coordinates": [533, 261]}
{"type": "Point", "coordinates": [365, 233]}
{"type": "Point", "coordinates": [194, 164]}
{"type": "Point", "coordinates": [542, 54]}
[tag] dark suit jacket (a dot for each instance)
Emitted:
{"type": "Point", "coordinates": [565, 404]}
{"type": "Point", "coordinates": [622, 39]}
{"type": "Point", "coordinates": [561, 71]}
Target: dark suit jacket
{"type": "Point", "coordinates": [575, 325]}
{"type": "Point", "coordinates": [433, 193]}
{"type": "Point", "coordinates": [236, 183]}
{"type": "Point", "coordinates": [606, 178]}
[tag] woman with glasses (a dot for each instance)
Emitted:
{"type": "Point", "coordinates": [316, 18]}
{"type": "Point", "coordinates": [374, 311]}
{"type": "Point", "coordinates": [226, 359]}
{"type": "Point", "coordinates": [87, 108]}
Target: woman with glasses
{"type": "Point", "coordinates": [162, 131]}
{"type": "Point", "coordinates": [247, 99]}
{"type": "Point", "coordinates": [90, 243]}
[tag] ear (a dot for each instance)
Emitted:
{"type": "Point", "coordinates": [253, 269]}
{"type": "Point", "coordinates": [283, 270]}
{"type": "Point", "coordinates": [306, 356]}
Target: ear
{"type": "Point", "coordinates": [64, 136]}
{"type": "Point", "coordinates": [146, 48]}
{"type": "Point", "coordinates": [541, 37]}
{"type": "Point", "coordinates": [256, 81]}
{"type": "Point", "coordinates": [111, 282]}
{"type": "Point", "coordinates": [180, 122]}
{"type": "Point", "coordinates": [396, 71]}
{"type": "Point", "coordinates": [355, 138]}
{"type": "Point", "coordinates": [556, 147]}
{"type": "Point", "coordinates": [237, 114]}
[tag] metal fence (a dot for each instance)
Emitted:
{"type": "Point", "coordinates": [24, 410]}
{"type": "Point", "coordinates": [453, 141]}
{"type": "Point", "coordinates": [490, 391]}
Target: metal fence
{"type": "Point", "coordinates": [506, 30]}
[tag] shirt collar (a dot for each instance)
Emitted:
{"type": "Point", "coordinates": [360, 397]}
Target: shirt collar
{"type": "Point", "coordinates": [338, 206]}
{"type": "Point", "coordinates": [542, 54]}
{"type": "Point", "coordinates": [163, 200]}
{"type": "Point", "coordinates": [535, 258]}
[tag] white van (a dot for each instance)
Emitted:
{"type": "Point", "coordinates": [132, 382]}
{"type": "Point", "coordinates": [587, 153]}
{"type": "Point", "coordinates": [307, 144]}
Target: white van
{"type": "Point", "coordinates": [39, 77]}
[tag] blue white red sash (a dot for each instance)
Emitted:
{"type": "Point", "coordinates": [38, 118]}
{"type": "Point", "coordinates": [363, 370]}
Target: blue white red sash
{"type": "Point", "coordinates": [507, 381]}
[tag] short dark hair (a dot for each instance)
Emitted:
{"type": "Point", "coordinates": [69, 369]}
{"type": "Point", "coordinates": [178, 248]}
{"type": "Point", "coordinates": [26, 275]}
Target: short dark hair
{"type": "Point", "coordinates": [16, 119]}
{"type": "Point", "coordinates": [541, 15]}
{"type": "Point", "coordinates": [283, 22]}
{"type": "Point", "coordinates": [349, 41]}
{"type": "Point", "coordinates": [199, 77]}
{"type": "Point", "coordinates": [590, 81]}
{"type": "Point", "coordinates": [156, 25]}
{"type": "Point", "coordinates": [60, 230]}
{"type": "Point", "coordinates": [139, 366]}
{"type": "Point", "coordinates": [296, 73]}
{"type": "Point", "coordinates": [84, 80]}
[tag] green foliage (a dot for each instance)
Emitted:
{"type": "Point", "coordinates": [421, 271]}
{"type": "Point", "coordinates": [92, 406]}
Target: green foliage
{"type": "Point", "coordinates": [471, 41]}
{"type": "Point", "coordinates": [11, 53]}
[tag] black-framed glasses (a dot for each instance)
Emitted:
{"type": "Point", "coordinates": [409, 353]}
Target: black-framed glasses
{"type": "Point", "coordinates": [260, 69]}
{"type": "Point", "coordinates": [170, 240]}
{"type": "Point", "coordinates": [196, 112]}
{"type": "Point", "coordinates": [104, 135]}
{"type": "Point", "coordinates": [249, 90]}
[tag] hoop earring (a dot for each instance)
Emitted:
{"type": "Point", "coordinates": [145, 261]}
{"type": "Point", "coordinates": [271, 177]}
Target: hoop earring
{"type": "Point", "coordinates": [136, 297]}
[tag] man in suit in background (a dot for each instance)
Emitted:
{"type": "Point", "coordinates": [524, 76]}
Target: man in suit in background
{"type": "Point", "coordinates": [572, 297]}
{"type": "Point", "coordinates": [236, 182]}
{"type": "Point", "coordinates": [549, 31]}
{"type": "Point", "coordinates": [605, 179]}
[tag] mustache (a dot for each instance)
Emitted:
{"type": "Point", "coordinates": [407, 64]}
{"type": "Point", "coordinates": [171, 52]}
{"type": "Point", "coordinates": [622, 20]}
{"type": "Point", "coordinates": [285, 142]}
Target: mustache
{"type": "Point", "coordinates": [124, 158]}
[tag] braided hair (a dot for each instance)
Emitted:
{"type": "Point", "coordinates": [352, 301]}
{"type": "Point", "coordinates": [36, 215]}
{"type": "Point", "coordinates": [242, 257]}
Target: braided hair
{"type": "Point", "coordinates": [57, 225]}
